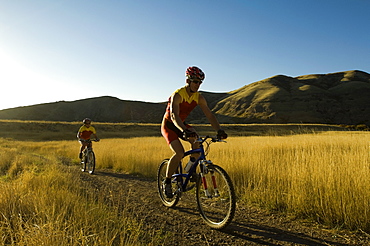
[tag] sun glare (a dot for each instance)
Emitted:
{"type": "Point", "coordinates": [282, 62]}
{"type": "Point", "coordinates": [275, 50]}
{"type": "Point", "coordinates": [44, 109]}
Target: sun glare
{"type": "Point", "coordinates": [20, 83]}
{"type": "Point", "coordinates": [25, 84]}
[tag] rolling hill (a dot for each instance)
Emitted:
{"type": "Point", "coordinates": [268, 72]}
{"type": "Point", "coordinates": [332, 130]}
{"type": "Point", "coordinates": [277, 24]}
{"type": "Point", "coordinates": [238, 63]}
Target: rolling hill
{"type": "Point", "coordinates": [334, 98]}
{"type": "Point", "coordinates": [100, 109]}
{"type": "Point", "coordinates": [341, 98]}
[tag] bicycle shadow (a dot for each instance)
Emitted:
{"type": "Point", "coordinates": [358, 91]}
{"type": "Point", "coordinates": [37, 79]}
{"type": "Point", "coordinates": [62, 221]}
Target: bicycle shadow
{"type": "Point", "coordinates": [263, 235]}
{"type": "Point", "coordinates": [242, 228]}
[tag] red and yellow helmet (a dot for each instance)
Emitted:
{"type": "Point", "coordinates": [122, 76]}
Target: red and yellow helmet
{"type": "Point", "coordinates": [195, 73]}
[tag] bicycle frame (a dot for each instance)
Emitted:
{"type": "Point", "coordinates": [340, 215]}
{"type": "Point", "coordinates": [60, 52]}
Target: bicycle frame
{"type": "Point", "coordinates": [88, 153]}
{"type": "Point", "coordinates": [89, 146]}
{"type": "Point", "coordinates": [201, 160]}
{"type": "Point", "coordinates": [214, 190]}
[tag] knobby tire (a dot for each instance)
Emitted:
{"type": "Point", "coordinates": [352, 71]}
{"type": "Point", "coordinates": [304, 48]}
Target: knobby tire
{"type": "Point", "coordinates": [90, 165]}
{"type": "Point", "coordinates": [161, 176]}
{"type": "Point", "coordinates": [216, 211]}
{"type": "Point", "coordinates": [83, 164]}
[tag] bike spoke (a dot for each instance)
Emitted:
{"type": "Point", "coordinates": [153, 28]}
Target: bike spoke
{"type": "Point", "coordinates": [216, 198]}
{"type": "Point", "coordinates": [90, 165]}
{"type": "Point", "coordinates": [83, 165]}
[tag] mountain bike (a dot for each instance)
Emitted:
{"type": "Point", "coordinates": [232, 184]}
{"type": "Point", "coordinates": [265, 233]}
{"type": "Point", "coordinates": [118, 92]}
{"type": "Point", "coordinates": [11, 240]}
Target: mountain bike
{"type": "Point", "coordinates": [88, 157]}
{"type": "Point", "coordinates": [215, 193]}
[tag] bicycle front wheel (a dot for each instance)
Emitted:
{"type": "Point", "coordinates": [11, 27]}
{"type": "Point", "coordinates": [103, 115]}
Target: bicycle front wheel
{"type": "Point", "coordinates": [216, 197]}
{"type": "Point", "coordinates": [83, 164]}
{"type": "Point", "coordinates": [90, 165]}
{"type": "Point", "coordinates": [161, 177]}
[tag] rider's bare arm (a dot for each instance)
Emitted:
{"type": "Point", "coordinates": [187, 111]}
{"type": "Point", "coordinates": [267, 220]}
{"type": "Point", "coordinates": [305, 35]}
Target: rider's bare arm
{"type": "Point", "coordinates": [208, 113]}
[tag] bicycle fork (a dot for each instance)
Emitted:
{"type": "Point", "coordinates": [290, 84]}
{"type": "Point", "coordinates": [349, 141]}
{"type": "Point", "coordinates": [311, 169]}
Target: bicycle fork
{"type": "Point", "coordinates": [205, 170]}
{"type": "Point", "coordinates": [87, 154]}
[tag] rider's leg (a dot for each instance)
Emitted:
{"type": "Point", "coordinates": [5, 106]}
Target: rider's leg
{"type": "Point", "coordinates": [178, 154]}
{"type": "Point", "coordinates": [83, 146]}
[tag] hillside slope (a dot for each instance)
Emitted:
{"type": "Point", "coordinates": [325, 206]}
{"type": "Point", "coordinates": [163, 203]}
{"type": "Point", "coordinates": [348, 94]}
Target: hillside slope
{"type": "Point", "coordinates": [102, 109]}
{"type": "Point", "coordinates": [340, 98]}
{"type": "Point", "coordinates": [335, 98]}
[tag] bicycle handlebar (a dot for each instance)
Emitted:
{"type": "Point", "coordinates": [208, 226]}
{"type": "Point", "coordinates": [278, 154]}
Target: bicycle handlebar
{"type": "Point", "coordinates": [89, 140]}
{"type": "Point", "coordinates": [202, 139]}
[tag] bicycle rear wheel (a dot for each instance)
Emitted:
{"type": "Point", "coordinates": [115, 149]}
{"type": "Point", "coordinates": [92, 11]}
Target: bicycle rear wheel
{"type": "Point", "coordinates": [90, 165]}
{"type": "Point", "coordinates": [216, 197]}
{"type": "Point", "coordinates": [161, 177]}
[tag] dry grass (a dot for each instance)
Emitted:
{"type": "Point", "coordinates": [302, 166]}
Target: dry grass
{"type": "Point", "coordinates": [43, 202]}
{"type": "Point", "coordinates": [134, 155]}
{"type": "Point", "coordinates": [318, 175]}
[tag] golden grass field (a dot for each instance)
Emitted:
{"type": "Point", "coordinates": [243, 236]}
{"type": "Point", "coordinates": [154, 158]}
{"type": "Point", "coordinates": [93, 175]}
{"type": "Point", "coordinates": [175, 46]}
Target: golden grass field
{"type": "Point", "coordinates": [44, 202]}
{"type": "Point", "coordinates": [317, 175]}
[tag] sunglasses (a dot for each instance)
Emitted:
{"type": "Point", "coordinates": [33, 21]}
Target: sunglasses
{"type": "Point", "coordinates": [195, 81]}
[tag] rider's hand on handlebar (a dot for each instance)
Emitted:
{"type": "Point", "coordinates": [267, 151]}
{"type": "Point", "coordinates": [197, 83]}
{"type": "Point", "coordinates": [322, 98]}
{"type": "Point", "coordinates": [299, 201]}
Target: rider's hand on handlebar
{"type": "Point", "coordinates": [189, 134]}
{"type": "Point", "coordinates": [221, 134]}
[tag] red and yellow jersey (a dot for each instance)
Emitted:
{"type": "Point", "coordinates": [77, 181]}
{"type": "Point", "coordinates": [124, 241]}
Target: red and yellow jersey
{"type": "Point", "coordinates": [188, 103]}
{"type": "Point", "coordinates": [85, 132]}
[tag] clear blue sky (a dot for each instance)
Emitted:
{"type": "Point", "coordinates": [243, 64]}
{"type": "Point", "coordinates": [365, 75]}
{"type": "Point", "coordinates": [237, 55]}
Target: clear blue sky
{"type": "Point", "coordinates": [139, 50]}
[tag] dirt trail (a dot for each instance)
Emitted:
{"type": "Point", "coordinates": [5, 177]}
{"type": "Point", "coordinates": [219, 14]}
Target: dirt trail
{"type": "Point", "coordinates": [250, 226]}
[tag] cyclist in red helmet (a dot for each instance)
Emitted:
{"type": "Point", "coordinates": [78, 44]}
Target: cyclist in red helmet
{"type": "Point", "coordinates": [173, 128]}
{"type": "Point", "coordinates": [84, 133]}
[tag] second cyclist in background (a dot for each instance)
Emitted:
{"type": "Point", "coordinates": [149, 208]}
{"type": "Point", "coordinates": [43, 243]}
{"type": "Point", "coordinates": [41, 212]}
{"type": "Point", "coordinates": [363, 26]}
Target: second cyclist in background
{"type": "Point", "coordinates": [179, 106]}
{"type": "Point", "coordinates": [84, 133]}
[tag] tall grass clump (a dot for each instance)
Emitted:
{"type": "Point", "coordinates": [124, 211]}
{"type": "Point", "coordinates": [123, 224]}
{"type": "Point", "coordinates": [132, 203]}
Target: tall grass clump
{"type": "Point", "coordinates": [134, 155]}
{"type": "Point", "coordinates": [46, 203]}
{"type": "Point", "coordinates": [320, 176]}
